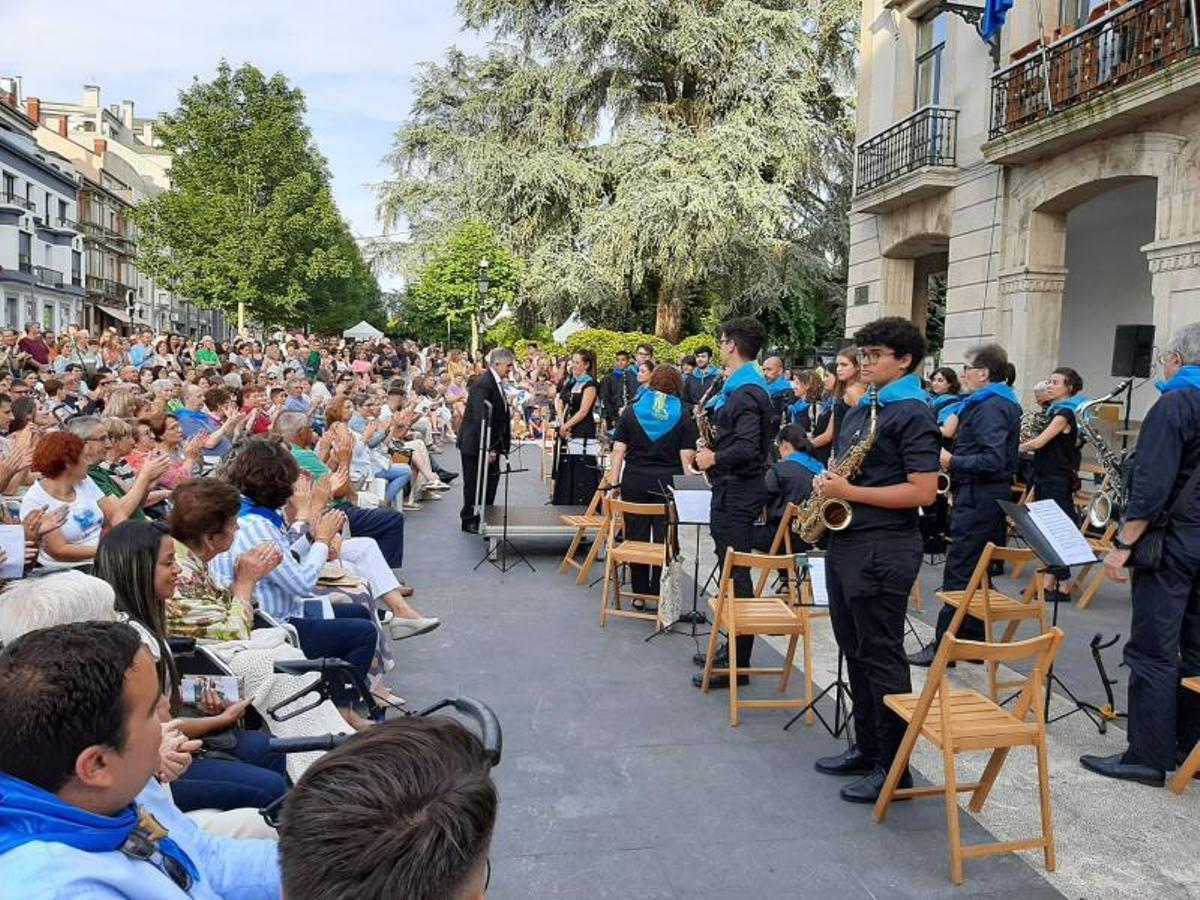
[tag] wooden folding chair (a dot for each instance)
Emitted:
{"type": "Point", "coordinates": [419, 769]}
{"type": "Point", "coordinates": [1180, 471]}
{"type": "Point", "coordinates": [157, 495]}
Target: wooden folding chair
{"type": "Point", "coordinates": [593, 519]}
{"type": "Point", "coordinates": [1191, 765]}
{"type": "Point", "coordinates": [547, 448]}
{"type": "Point", "coordinates": [779, 615]}
{"type": "Point", "coordinates": [621, 553]}
{"type": "Point", "coordinates": [965, 720]}
{"type": "Point", "coordinates": [781, 543]}
{"type": "Point", "coordinates": [993, 607]}
{"type": "Point", "coordinates": [1101, 543]}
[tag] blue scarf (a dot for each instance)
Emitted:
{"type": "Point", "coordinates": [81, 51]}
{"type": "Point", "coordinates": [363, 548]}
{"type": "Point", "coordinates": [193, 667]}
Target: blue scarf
{"type": "Point", "coordinates": [707, 372]}
{"type": "Point", "coordinates": [637, 395]}
{"type": "Point", "coordinates": [797, 409]}
{"type": "Point", "coordinates": [778, 386]}
{"type": "Point", "coordinates": [906, 388]}
{"type": "Point", "coordinates": [813, 465]}
{"type": "Point", "coordinates": [992, 389]}
{"type": "Point", "coordinates": [253, 509]}
{"type": "Point", "coordinates": [618, 372]}
{"type": "Point", "coordinates": [1186, 377]}
{"type": "Point", "coordinates": [1071, 403]}
{"type": "Point", "coordinates": [584, 378]}
{"type": "Point", "coordinates": [748, 374]}
{"type": "Point", "coordinates": [657, 413]}
{"type": "Point", "coordinates": [28, 814]}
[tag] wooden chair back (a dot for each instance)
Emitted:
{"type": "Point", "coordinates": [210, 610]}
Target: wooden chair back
{"type": "Point", "coordinates": [765, 564]}
{"type": "Point", "coordinates": [618, 509]}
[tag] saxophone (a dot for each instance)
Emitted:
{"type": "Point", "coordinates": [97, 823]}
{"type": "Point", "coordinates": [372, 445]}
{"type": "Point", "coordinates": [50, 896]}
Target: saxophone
{"type": "Point", "coordinates": [708, 434]}
{"type": "Point", "coordinates": [820, 514]}
{"type": "Point", "coordinates": [1033, 423]}
{"type": "Point", "coordinates": [1108, 502]}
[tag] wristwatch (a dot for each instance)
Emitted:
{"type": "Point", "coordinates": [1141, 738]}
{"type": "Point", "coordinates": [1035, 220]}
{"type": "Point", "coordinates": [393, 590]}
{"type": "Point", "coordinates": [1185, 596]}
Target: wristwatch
{"type": "Point", "coordinates": [1120, 544]}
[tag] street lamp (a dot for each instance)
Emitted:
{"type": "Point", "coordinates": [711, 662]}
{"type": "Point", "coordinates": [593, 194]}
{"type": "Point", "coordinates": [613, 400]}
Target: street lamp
{"type": "Point", "coordinates": [481, 284]}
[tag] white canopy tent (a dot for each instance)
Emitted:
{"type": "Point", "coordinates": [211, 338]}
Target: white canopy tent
{"type": "Point", "coordinates": [573, 324]}
{"type": "Point", "coordinates": [363, 331]}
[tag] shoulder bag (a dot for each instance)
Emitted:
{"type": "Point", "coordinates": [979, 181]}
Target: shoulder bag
{"type": "Point", "coordinates": [1147, 552]}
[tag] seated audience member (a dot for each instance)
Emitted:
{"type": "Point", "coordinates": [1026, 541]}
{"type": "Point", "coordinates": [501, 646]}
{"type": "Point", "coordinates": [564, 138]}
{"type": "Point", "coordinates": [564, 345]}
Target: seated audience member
{"type": "Point", "coordinates": [419, 786]}
{"type": "Point", "coordinates": [790, 479]}
{"type": "Point", "coordinates": [256, 407]}
{"type": "Point", "coordinates": [162, 433]}
{"type": "Point", "coordinates": [364, 462]}
{"type": "Point", "coordinates": [196, 418]}
{"type": "Point", "coordinates": [131, 497]}
{"type": "Point", "coordinates": [81, 813]}
{"type": "Point", "coordinates": [138, 560]}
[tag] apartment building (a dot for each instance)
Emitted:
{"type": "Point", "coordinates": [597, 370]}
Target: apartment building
{"type": "Point", "coordinates": [1039, 190]}
{"type": "Point", "coordinates": [41, 249]}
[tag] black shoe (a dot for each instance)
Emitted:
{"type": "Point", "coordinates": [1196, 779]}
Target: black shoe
{"type": "Point", "coordinates": [720, 661]}
{"type": "Point", "coordinates": [851, 762]}
{"type": "Point", "coordinates": [718, 682]}
{"type": "Point", "coordinates": [1057, 596]}
{"type": "Point", "coordinates": [868, 788]}
{"type": "Point", "coordinates": [471, 526]}
{"type": "Point", "coordinates": [924, 657]}
{"type": "Point", "coordinates": [1115, 767]}
{"type": "Point", "coordinates": [445, 476]}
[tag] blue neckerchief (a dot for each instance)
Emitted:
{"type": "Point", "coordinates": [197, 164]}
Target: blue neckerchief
{"type": "Point", "coordinates": [778, 386]}
{"type": "Point", "coordinates": [707, 372]}
{"type": "Point", "coordinates": [184, 413]}
{"type": "Point", "coordinates": [749, 373]}
{"type": "Point", "coordinates": [992, 389]}
{"type": "Point", "coordinates": [632, 369]}
{"type": "Point", "coordinates": [657, 413]}
{"type": "Point", "coordinates": [28, 813]}
{"type": "Point", "coordinates": [937, 401]}
{"type": "Point", "coordinates": [637, 395]}
{"type": "Point", "coordinates": [1071, 403]}
{"type": "Point", "coordinates": [813, 465]}
{"type": "Point", "coordinates": [253, 509]}
{"type": "Point", "coordinates": [826, 404]}
{"type": "Point", "coordinates": [618, 372]}
{"type": "Point", "coordinates": [906, 388]}
{"type": "Point", "coordinates": [584, 378]}
{"type": "Point", "coordinates": [946, 410]}
{"type": "Point", "coordinates": [796, 409]}
{"type": "Point", "coordinates": [1186, 377]}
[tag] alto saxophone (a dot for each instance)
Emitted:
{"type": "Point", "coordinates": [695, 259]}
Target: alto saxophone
{"type": "Point", "coordinates": [1033, 423]}
{"type": "Point", "coordinates": [708, 434]}
{"type": "Point", "coordinates": [1107, 503]}
{"type": "Point", "coordinates": [820, 514]}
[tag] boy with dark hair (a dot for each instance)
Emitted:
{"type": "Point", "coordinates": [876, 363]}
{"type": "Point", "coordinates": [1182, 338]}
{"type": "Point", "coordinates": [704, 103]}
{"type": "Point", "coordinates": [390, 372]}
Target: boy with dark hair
{"type": "Point", "coordinates": [790, 479]}
{"type": "Point", "coordinates": [419, 786]}
{"type": "Point", "coordinates": [872, 564]}
{"type": "Point", "coordinates": [617, 388]}
{"type": "Point", "coordinates": [702, 376]}
{"type": "Point", "coordinates": [81, 713]}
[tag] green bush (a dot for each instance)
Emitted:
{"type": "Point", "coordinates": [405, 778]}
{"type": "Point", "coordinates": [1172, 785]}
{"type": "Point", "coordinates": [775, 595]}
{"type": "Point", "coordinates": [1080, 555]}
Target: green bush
{"type": "Point", "coordinates": [606, 344]}
{"type": "Point", "coordinates": [687, 347]}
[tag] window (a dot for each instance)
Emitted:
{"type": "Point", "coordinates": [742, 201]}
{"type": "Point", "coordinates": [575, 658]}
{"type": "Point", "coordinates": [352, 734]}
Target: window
{"type": "Point", "coordinates": [48, 317]}
{"type": "Point", "coordinates": [48, 222]}
{"type": "Point", "coordinates": [24, 251]}
{"type": "Point", "coordinates": [1074, 14]}
{"type": "Point", "coordinates": [76, 268]}
{"type": "Point", "coordinates": [12, 312]}
{"type": "Point", "coordinates": [62, 211]}
{"type": "Point", "coordinates": [10, 186]}
{"type": "Point", "coordinates": [931, 41]}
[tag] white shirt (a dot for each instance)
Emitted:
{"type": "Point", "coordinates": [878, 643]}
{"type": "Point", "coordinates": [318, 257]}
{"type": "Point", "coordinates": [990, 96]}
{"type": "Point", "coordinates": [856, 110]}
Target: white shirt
{"type": "Point", "coordinates": [84, 521]}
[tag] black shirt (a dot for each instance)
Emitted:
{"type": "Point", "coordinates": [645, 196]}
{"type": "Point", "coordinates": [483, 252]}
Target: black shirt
{"type": "Point", "coordinates": [745, 429]}
{"type": "Point", "coordinates": [907, 441]}
{"type": "Point", "coordinates": [826, 413]}
{"type": "Point", "coordinates": [1060, 459]}
{"type": "Point", "coordinates": [694, 387]}
{"type": "Point", "coordinates": [1168, 451]}
{"type": "Point", "coordinates": [787, 482]}
{"type": "Point", "coordinates": [656, 458]}
{"type": "Point", "coordinates": [985, 447]}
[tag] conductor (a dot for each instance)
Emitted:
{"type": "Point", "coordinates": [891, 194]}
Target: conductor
{"type": "Point", "coordinates": [487, 388]}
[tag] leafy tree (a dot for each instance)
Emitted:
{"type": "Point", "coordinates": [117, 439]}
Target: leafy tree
{"type": "Point", "coordinates": [685, 153]}
{"type": "Point", "coordinates": [447, 291]}
{"type": "Point", "coordinates": [249, 218]}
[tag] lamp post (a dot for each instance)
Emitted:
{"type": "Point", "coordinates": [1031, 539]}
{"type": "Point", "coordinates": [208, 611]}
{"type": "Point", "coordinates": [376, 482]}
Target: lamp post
{"type": "Point", "coordinates": [481, 285]}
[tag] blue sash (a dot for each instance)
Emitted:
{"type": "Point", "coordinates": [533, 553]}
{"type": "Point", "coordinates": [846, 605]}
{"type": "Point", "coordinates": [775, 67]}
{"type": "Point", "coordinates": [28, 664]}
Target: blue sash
{"type": "Point", "coordinates": [657, 413]}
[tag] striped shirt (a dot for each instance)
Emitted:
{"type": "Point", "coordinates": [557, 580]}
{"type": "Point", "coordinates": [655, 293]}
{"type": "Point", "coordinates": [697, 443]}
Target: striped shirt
{"type": "Point", "coordinates": [280, 592]}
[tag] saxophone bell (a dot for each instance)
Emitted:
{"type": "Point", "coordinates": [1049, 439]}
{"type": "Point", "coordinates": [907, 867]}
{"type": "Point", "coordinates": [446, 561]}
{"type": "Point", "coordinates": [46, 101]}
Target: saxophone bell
{"type": "Point", "coordinates": [1100, 510]}
{"type": "Point", "coordinates": [943, 483]}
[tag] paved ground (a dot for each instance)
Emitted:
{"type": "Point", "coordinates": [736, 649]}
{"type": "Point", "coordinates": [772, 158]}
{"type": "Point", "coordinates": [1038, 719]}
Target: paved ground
{"type": "Point", "coordinates": [621, 780]}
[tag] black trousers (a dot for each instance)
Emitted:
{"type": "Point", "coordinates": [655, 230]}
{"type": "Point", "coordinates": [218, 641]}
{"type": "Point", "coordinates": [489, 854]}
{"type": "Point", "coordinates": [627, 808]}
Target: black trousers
{"type": "Point", "coordinates": [645, 487]}
{"type": "Point", "coordinates": [1163, 647]}
{"type": "Point", "coordinates": [976, 519]}
{"type": "Point", "coordinates": [735, 507]}
{"type": "Point", "coordinates": [869, 575]}
{"type": "Point", "coordinates": [470, 464]}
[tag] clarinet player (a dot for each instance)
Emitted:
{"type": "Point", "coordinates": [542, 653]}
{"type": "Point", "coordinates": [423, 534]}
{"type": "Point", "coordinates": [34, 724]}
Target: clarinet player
{"type": "Point", "coordinates": [872, 564]}
{"type": "Point", "coordinates": [736, 466]}
{"type": "Point", "coordinates": [1164, 637]}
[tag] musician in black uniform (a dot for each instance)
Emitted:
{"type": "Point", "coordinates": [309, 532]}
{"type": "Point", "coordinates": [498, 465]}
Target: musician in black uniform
{"type": "Point", "coordinates": [871, 565]}
{"type": "Point", "coordinates": [741, 415]}
{"type": "Point", "coordinates": [617, 388]}
{"type": "Point", "coordinates": [578, 474]}
{"type": "Point", "coordinates": [779, 388]}
{"type": "Point", "coordinates": [1164, 638]}
{"type": "Point", "coordinates": [1057, 457]}
{"type": "Point", "coordinates": [981, 466]}
{"type": "Point", "coordinates": [655, 440]}
{"type": "Point", "coordinates": [702, 376]}
{"type": "Point", "coordinates": [488, 387]}
{"type": "Point", "coordinates": [790, 479]}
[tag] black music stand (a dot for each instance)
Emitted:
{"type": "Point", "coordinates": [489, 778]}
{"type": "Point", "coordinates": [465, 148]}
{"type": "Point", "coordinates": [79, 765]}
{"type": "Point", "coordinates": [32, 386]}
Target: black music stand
{"type": "Point", "coordinates": [498, 556]}
{"type": "Point", "coordinates": [694, 616]}
{"type": "Point", "coordinates": [1046, 551]}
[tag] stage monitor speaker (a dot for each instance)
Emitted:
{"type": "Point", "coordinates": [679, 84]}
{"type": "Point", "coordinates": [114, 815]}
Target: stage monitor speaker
{"type": "Point", "coordinates": [1133, 351]}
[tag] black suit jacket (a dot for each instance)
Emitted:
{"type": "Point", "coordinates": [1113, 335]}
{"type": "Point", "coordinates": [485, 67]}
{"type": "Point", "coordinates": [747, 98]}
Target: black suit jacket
{"type": "Point", "coordinates": [485, 389]}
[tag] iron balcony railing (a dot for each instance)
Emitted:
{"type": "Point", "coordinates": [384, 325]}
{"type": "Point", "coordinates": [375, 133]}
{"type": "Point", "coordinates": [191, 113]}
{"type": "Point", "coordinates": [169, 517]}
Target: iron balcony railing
{"type": "Point", "coordinates": [104, 287]}
{"type": "Point", "coordinates": [10, 198]}
{"type": "Point", "coordinates": [1128, 43]}
{"type": "Point", "coordinates": [67, 223]}
{"type": "Point", "coordinates": [52, 277]}
{"type": "Point", "coordinates": [925, 138]}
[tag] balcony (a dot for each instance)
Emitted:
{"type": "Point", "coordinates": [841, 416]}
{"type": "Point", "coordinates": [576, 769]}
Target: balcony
{"type": "Point", "coordinates": [9, 198]}
{"type": "Point", "coordinates": [911, 160]}
{"type": "Point", "coordinates": [114, 239]}
{"type": "Point", "coordinates": [103, 287]}
{"type": "Point", "coordinates": [1141, 59]}
{"type": "Point", "coordinates": [50, 277]}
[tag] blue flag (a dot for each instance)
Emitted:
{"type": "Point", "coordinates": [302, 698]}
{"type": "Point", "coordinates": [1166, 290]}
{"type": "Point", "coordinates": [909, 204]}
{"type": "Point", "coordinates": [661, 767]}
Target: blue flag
{"type": "Point", "coordinates": [994, 12]}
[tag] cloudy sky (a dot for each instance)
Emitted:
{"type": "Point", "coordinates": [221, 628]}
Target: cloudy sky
{"type": "Point", "coordinates": [354, 60]}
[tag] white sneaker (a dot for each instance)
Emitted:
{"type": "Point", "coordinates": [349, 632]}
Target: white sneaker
{"type": "Point", "coordinates": [437, 486]}
{"type": "Point", "coordinates": [406, 628]}
{"type": "Point", "coordinates": [412, 506]}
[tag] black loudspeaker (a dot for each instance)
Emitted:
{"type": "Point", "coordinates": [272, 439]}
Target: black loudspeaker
{"type": "Point", "coordinates": [1133, 351]}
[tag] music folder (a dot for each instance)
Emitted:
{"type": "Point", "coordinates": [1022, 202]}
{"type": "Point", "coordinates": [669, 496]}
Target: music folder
{"type": "Point", "coordinates": [692, 497]}
{"type": "Point", "coordinates": [1050, 533]}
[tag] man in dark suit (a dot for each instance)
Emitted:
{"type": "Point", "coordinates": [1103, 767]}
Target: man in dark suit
{"type": "Point", "coordinates": [487, 388]}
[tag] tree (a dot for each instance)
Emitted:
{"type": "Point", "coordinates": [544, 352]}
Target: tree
{"type": "Point", "coordinates": [674, 149]}
{"type": "Point", "coordinates": [250, 219]}
{"type": "Point", "coordinates": [447, 288]}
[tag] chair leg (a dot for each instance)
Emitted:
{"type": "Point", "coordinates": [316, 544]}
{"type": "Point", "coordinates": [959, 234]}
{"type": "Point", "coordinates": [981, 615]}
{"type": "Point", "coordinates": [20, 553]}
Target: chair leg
{"type": "Point", "coordinates": [570, 554]}
{"type": "Point", "coordinates": [593, 552]}
{"type": "Point", "coordinates": [788, 660]}
{"type": "Point", "coordinates": [1089, 593]}
{"type": "Point", "coordinates": [899, 764]}
{"type": "Point", "coordinates": [733, 672]}
{"type": "Point", "coordinates": [608, 572]}
{"type": "Point", "coordinates": [987, 779]}
{"type": "Point", "coordinates": [810, 718]}
{"type": "Point", "coordinates": [953, 837]}
{"type": "Point", "coordinates": [1044, 802]}
{"type": "Point", "coordinates": [1189, 768]}
{"type": "Point", "coordinates": [708, 657]}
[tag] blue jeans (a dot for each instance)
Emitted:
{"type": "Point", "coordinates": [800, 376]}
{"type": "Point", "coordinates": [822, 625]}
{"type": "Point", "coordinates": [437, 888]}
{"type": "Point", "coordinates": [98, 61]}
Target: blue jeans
{"type": "Point", "coordinates": [349, 635]}
{"type": "Point", "coordinates": [255, 779]}
{"type": "Point", "coordinates": [397, 476]}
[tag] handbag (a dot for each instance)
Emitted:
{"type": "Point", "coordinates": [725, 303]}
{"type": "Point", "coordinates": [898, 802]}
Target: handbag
{"type": "Point", "coordinates": [1147, 553]}
{"type": "Point", "coordinates": [670, 584]}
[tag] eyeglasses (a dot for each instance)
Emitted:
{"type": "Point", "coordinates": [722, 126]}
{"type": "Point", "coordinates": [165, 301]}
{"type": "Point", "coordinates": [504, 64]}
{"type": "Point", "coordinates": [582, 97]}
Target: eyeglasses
{"type": "Point", "coordinates": [967, 367]}
{"type": "Point", "coordinates": [873, 356]}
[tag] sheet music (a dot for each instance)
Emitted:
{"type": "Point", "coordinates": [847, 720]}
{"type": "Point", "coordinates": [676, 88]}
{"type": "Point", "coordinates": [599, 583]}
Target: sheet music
{"type": "Point", "coordinates": [816, 577]}
{"type": "Point", "coordinates": [12, 541]}
{"type": "Point", "coordinates": [1061, 533]}
{"type": "Point", "coordinates": [692, 506]}
{"type": "Point", "coordinates": [583, 447]}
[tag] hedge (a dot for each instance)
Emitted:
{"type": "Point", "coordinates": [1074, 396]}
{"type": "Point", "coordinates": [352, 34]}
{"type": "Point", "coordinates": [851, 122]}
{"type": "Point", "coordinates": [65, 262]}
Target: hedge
{"type": "Point", "coordinates": [606, 344]}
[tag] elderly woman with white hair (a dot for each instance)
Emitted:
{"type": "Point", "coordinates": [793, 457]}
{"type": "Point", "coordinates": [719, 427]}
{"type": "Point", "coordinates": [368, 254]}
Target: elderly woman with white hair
{"type": "Point", "coordinates": [1163, 510]}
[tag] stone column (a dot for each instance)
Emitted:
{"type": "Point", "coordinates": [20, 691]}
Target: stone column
{"type": "Point", "coordinates": [1175, 283]}
{"type": "Point", "coordinates": [1030, 316]}
{"type": "Point", "coordinates": [896, 287]}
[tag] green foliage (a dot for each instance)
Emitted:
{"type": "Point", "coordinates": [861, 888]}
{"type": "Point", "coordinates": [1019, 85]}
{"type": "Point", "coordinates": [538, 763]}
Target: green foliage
{"type": "Point", "coordinates": [508, 332]}
{"type": "Point", "coordinates": [549, 347]}
{"type": "Point", "coordinates": [688, 346]}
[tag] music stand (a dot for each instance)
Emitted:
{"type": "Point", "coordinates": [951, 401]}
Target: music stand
{"type": "Point", "coordinates": [694, 616]}
{"type": "Point", "coordinates": [500, 559]}
{"type": "Point", "coordinates": [1045, 550]}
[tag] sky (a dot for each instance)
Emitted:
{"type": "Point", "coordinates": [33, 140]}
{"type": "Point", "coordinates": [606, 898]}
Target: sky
{"type": "Point", "coordinates": [354, 59]}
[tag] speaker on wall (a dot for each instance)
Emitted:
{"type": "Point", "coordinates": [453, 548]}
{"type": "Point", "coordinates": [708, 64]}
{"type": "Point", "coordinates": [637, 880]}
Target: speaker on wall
{"type": "Point", "coordinates": [1133, 351]}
